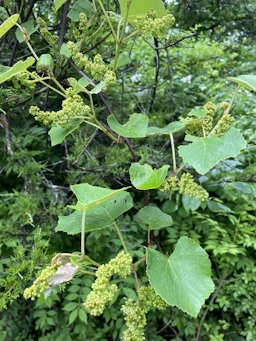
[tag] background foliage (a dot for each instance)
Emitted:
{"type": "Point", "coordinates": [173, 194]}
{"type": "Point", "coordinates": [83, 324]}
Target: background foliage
{"type": "Point", "coordinates": [35, 178]}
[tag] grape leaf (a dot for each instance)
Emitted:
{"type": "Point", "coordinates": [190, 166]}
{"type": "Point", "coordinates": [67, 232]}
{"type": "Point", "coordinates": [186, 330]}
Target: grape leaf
{"type": "Point", "coordinates": [205, 152]}
{"type": "Point", "coordinates": [97, 217]}
{"type": "Point", "coordinates": [58, 133]}
{"type": "Point", "coordinates": [154, 217]}
{"type": "Point", "coordinates": [246, 81]}
{"type": "Point", "coordinates": [17, 68]}
{"type": "Point", "coordinates": [136, 126]}
{"type": "Point", "coordinates": [8, 24]}
{"type": "Point", "coordinates": [183, 279]}
{"type": "Point", "coordinates": [144, 177]}
{"type": "Point", "coordinates": [171, 128]}
{"type": "Point", "coordinates": [139, 7]}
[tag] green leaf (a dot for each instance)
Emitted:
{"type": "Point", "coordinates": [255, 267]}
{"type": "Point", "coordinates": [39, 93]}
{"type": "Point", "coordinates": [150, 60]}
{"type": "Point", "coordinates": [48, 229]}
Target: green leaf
{"type": "Point", "coordinates": [136, 126]}
{"type": "Point", "coordinates": [8, 24]}
{"type": "Point", "coordinates": [58, 133]}
{"type": "Point", "coordinates": [189, 203]}
{"type": "Point", "coordinates": [70, 306]}
{"type": "Point", "coordinates": [89, 196]}
{"type": "Point", "coordinates": [98, 88]}
{"type": "Point", "coordinates": [17, 68]}
{"type": "Point", "coordinates": [183, 279]}
{"type": "Point", "coordinates": [98, 217]}
{"type": "Point", "coordinates": [65, 51]}
{"type": "Point", "coordinates": [154, 217]}
{"type": "Point", "coordinates": [80, 6]}
{"type": "Point", "coordinates": [171, 128]}
{"type": "Point", "coordinates": [58, 4]}
{"type": "Point", "coordinates": [198, 114]}
{"type": "Point", "coordinates": [205, 152]}
{"type": "Point", "coordinates": [73, 316]}
{"type": "Point", "coordinates": [144, 177]}
{"type": "Point", "coordinates": [246, 81]}
{"type": "Point", "coordinates": [139, 7]}
{"type": "Point", "coordinates": [218, 207]}
{"type": "Point", "coordinates": [82, 315]}
{"type": "Point", "coordinates": [30, 28]}
{"type": "Point", "coordinates": [79, 85]}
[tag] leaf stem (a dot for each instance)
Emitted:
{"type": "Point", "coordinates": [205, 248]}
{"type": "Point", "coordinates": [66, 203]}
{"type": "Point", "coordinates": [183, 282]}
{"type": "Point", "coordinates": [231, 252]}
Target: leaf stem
{"type": "Point", "coordinates": [83, 234]}
{"type": "Point", "coordinates": [120, 237]}
{"type": "Point", "coordinates": [174, 165]}
{"type": "Point", "coordinates": [108, 19]}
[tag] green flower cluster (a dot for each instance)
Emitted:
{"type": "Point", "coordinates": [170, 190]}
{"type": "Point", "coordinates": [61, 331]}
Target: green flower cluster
{"type": "Point", "coordinates": [72, 107]}
{"type": "Point", "coordinates": [51, 39]}
{"type": "Point", "coordinates": [211, 109]}
{"type": "Point", "coordinates": [151, 25]}
{"type": "Point", "coordinates": [224, 124]}
{"type": "Point", "coordinates": [136, 313]}
{"type": "Point", "coordinates": [224, 105]}
{"type": "Point", "coordinates": [41, 284]}
{"type": "Point", "coordinates": [22, 81]}
{"type": "Point", "coordinates": [170, 183]}
{"type": "Point", "coordinates": [97, 68]}
{"type": "Point", "coordinates": [103, 291]}
{"type": "Point", "coordinates": [191, 188]}
{"type": "Point", "coordinates": [79, 32]}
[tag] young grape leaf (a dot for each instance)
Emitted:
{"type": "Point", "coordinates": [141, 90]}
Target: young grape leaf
{"type": "Point", "coordinates": [89, 196]}
{"type": "Point", "coordinates": [58, 133]}
{"type": "Point", "coordinates": [97, 217]}
{"type": "Point", "coordinates": [79, 85]}
{"type": "Point", "coordinates": [30, 28]}
{"type": "Point", "coordinates": [144, 177]}
{"type": "Point", "coordinates": [139, 7]}
{"type": "Point", "coordinates": [171, 128]}
{"type": "Point", "coordinates": [183, 279]}
{"type": "Point", "coordinates": [80, 6]}
{"type": "Point", "coordinates": [246, 81]}
{"type": "Point", "coordinates": [8, 24]}
{"type": "Point", "coordinates": [17, 68]}
{"type": "Point", "coordinates": [136, 126]}
{"type": "Point", "coordinates": [205, 152]}
{"type": "Point", "coordinates": [154, 217]}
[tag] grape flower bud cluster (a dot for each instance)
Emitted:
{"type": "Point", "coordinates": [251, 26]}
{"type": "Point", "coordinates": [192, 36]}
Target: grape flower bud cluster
{"type": "Point", "coordinates": [103, 290]}
{"type": "Point", "coordinates": [135, 313]}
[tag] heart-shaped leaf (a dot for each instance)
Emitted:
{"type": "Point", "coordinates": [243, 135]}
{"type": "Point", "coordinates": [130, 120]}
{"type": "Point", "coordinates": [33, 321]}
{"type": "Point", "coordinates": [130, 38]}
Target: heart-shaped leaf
{"type": "Point", "coordinates": [205, 152]}
{"type": "Point", "coordinates": [144, 177]}
{"type": "Point", "coordinates": [97, 217]}
{"type": "Point", "coordinates": [137, 126]}
{"type": "Point", "coordinates": [154, 217]}
{"type": "Point", "coordinates": [246, 81]}
{"type": "Point", "coordinates": [80, 6]}
{"type": "Point", "coordinates": [30, 28]}
{"type": "Point", "coordinates": [8, 24]}
{"type": "Point", "coordinates": [183, 279]}
{"type": "Point", "coordinates": [17, 68]}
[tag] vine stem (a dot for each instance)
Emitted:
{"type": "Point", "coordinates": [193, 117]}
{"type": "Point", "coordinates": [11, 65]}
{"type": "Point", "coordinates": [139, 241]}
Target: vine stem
{"type": "Point", "coordinates": [83, 234]}
{"type": "Point", "coordinates": [46, 84]}
{"type": "Point", "coordinates": [120, 237]}
{"type": "Point", "coordinates": [174, 165]}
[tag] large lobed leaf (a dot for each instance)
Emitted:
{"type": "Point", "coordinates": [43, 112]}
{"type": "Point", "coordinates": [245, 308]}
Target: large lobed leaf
{"type": "Point", "coordinates": [205, 152]}
{"type": "Point", "coordinates": [97, 217]}
{"type": "Point", "coordinates": [183, 279]}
